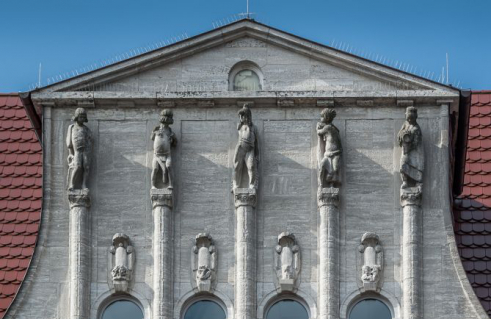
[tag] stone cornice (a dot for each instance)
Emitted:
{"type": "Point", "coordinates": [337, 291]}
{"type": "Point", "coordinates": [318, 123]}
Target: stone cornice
{"type": "Point", "coordinates": [227, 98]}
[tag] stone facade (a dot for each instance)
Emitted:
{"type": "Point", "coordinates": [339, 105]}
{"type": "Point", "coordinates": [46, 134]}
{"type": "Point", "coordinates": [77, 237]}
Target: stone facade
{"type": "Point", "coordinates": [299, 79]}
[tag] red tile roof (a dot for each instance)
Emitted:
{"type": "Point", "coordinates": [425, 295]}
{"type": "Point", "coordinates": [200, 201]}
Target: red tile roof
{"type": "Point", "coordinates": [20, 196]}
{"type": "Point", "coordinates": [472, 209]}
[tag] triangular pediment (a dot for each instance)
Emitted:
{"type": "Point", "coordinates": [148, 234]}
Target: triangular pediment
{"type": "Point", "coordinates": [286, 63]}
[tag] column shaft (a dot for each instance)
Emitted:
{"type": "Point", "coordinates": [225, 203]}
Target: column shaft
{"type": "Point", "coordinates": [163, 252]}
{"type": "Point", "coordinates": [328, 295]}
{"type": "Point", "coordinates": [80, 255]}
{"type": "Point", "coordinates": [162, 263]}
{"type": "Point", "coordinates": [245, 245]}
{"type": "Point", "coordinates": [411, 262]}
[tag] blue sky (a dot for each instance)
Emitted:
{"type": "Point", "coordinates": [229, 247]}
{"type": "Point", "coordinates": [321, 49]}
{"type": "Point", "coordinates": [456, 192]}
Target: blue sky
{"type": "Point", "coordinates": [65, 35]}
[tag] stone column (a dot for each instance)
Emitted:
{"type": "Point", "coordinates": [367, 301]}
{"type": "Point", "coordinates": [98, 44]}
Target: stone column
{"type": "Point", "coordinates": [245, 247]}
{"type": "Point", "coordinates": [79, 247]}
{"type": "Point", "coordinates": [162, 253]}
{"type": "Point", "coordinates": [328, 200]}
{"type": "Point", "coordinates": [411, 253]}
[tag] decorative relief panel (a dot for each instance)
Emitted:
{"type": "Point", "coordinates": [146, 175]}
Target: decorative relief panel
{"type": "Point", "coordinates": [287, 262]}
{"type": "Point", "coordinates": [204, 263]}
{"type": "Point", "coordinates": [122, 258]}
{"type": "Point", "coordinates": [371, 262]}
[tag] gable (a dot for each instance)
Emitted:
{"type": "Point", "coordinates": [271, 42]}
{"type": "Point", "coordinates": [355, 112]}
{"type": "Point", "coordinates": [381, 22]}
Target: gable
{"type": "Point", "coordinates": [288, 63]}
{"type": "Point", "coordinates": [282, 70]}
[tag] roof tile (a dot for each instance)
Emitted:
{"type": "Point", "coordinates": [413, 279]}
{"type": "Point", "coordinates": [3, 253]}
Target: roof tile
{"type": "Point", "coordinates": [20, 196]}
{"type": "Point", "coordinates": [472, 209]}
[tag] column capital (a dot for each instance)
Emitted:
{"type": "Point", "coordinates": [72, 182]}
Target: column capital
{"type": "Point", "coordinates": [411, 196]}
{"type": "Point", "coordinates": [245, 197]}
{"type": "Point", "coordinates": [161, 197]}
{"type": "Point", "coordinates": [79, 198]}
{"type": "Point", "coordinates": [328, 196]}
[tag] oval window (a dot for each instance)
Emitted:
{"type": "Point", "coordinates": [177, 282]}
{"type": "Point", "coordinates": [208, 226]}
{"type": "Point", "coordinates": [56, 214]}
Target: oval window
{"type": "Point", "coordinates": [370, 309]}
{"type": "Point", "coordinates": [122, 309]}
{"type": "Point", "coordinates": [246, 80]}
{"type": "Point", "coordinates": [287, 309]}
{"type": "Point", "coordinates": [205, 309]}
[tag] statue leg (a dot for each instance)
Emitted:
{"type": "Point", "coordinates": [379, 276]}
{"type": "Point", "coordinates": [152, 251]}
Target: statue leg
{"type": "Point", "coordinates": [251, 168]}
{"type": "Point", "coordinates": [322, 173]}
{"type": "Point", "coordinates": [335, 165]}
{"type": "Point", "coordinates": [77, 171]}
{"type": "Point", "coordinates": [168, 163]}
{"type": "Point", "coordinates": [238, 165]}
{"type": "Point", "coordinates": [86, 170]}
{"type": "Point", "coordinates": [155, 170]}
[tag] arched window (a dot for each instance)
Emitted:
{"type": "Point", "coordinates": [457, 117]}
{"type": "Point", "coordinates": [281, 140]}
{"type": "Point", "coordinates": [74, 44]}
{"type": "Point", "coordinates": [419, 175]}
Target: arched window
{"type": "Point", "coordinates": [245, 76]}
{"type": "Point", "coordinates": [287, 309]}
{"type": "Point", "coordinates": [122, 309]}
{"type": "Point", "coordinates": [370, 309]}
{"type": "Point", "coordinates": [205, 309]}
{"type": "Point", "coordinates": [247, 80]}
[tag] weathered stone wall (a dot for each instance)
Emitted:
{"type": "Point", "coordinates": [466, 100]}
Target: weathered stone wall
{"type": "Point", "coordinates": [120, 188]}
{"type": "Point", "coordinates": [282, 70]}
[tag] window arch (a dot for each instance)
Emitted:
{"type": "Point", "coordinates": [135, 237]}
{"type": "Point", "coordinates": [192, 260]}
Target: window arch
{"type": "Point", "coordinates": [287, 309]}
{"type": "Point", "coordinates": [204, 309]}
{"type": "Point", "coordinates": [245, 76]}
{"type": "Point", "coordinates": [370, 308]}
{"type": "Point", "coordinates": [122, 309]}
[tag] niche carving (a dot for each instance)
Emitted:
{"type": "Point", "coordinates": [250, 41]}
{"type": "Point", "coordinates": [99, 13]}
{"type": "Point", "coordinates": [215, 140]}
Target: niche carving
{"type": "Point", "coordinates": [122, 262]}
{"type": "Point", "coordinates": [287, 262]}
{"type": "Point", "coordinates": [372, 260]}
{"type": "Point", "coordinates": [204, 262]}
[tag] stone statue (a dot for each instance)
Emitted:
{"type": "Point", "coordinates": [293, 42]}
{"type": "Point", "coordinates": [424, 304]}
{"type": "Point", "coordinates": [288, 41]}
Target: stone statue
{"type": "Point", "coordinates": [204, 262]}
{"type": "Point", "coordinates": [79, 143]}
{"type": "Point", "coordinates": [372, 261]}
{"type": "Point", "coordinates": [163, 140]}
{"type": "Point", "coordinates": [330, 151]}
{"type": "Point", "coordinates": [287, 261]}
{"type": "Point", "coordinates": [247, 151]}
{"type": "Point", "coordinates": [122, 261]}
{"type": "Point", "coordinates": [412, 158]}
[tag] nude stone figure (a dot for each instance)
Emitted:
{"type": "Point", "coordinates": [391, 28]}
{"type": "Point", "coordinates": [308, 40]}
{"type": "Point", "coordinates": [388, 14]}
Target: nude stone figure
{"type": "Point", "coordinates": [247, 150]}
{"type": "Point", "coordinates": [412, 158]}
{"type": "Point", "coordinates": [163, 140]}
{"type": "Point", "coordinates": [79, 143]}
{"type": "Point", "coordinates": [330, 150]}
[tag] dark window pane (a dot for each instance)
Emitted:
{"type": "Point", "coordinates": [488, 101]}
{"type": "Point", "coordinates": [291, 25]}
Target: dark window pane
{"type": "Point", "coordinates": [123, 309]}
{"type": "Point", "coordinates": [205, 309]}
{"type": "Point", "coordinates": [287, 309]}
{"type": "Point", "coordinates": [370, 309]}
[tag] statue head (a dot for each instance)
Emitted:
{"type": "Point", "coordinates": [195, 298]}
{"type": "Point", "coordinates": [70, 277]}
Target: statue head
{"type": "Point", "coordinates": [166, 117]}
{"type": "Point", "coordinates": [80, 116]}
{"type": "Point", "coordinates": [411, 114]}
{"type": "Point", "coordinates": [328, 115]}
{"type": "Point", "coordinates": [245, 115]}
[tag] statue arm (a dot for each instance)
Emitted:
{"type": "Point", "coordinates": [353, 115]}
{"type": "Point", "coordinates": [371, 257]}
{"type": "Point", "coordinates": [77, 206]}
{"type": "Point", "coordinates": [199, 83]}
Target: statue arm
{"type": "Point", "coordinates": [69, 140]}
{"type": "Point", "coordinates": [154, 132]}
{"type": "Point", "coordinates": [173, 139]}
